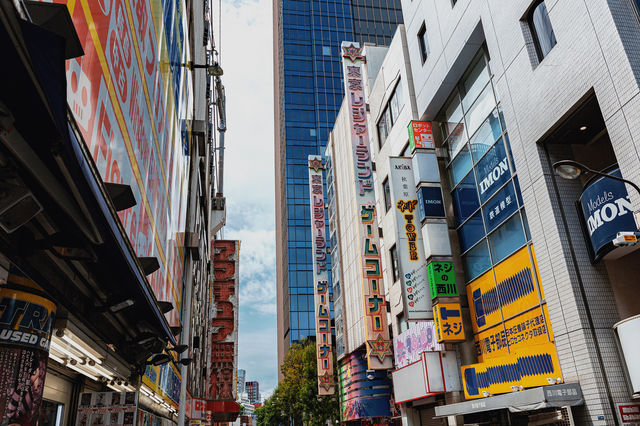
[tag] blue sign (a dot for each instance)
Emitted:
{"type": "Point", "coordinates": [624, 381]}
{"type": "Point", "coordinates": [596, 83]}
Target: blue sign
{"type": "Point", "coordinates": [500, 207]}
{"type": "Point", "coordinates": [430, 202]}
{"type": "Point", "coordinates": [492, 171]}
{"type": "Point", "coordinates": [607, 210]}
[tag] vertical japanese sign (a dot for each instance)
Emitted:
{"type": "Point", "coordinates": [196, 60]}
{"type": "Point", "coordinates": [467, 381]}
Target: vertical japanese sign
{"type": "Point", "coordinates": [411, 260]}
{"type": "Point", "coordinates": [26, 322]}
{"type": "Point", "coordinates": [448, 318]}
{"type": "Point", "coordinates": [132, 98]}
{"type": "Point", "coordinates": [442, 279]}
{"type": "Point", "coordinates": [379, 355]}
{"type": "Point", "coordinates": [224, 325]}
{"type": "Point", "coordinates": [324, 348]}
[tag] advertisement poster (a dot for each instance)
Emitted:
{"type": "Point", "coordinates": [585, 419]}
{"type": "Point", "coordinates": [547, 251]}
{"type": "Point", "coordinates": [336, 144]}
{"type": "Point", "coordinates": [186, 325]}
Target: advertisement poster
{"type": "Point", "coordinates": [131, 98]}
{"type": "Point", "coordinates": [324, 346]}
{"type": "Point", "coordinates": [411, 259]}
{"type": "Point", "coordinates": [409, 345]}
{"type": "Point", "coordinates": [420, 135]}
{"type": "Point", "coordinates": [379, 355]}
{"type": "Point", "coordinates": [107, 408]}
{"type": "Point", "coordinates": [26, 323]}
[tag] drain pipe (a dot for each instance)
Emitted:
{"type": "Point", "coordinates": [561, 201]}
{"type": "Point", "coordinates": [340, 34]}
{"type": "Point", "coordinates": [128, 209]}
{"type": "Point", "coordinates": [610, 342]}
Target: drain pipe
{"type": "Point", "coordinates": [222, 128]}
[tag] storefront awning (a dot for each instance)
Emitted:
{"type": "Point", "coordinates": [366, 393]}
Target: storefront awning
{"type": "Point", "coordinates": [566, 394]}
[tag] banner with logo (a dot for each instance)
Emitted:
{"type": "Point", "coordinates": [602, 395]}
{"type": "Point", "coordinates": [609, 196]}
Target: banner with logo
{"type": "Point", "coordinates": [411, 260]}
{"type": "Point", "coordinates": [324, 346]}
{"type": "Point", "coordinates": [379, 355]}
{"type": "Point", "coordinates": [420, 135]}
{"type": "Point", "coordinates": [26, 323]}
{"type": "Point", "coordinates": [607, 210]}
{"type": "Point", "coordinates": [130, 95]}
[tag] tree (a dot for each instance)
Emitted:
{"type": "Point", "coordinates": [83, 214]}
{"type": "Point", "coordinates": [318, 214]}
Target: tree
{"type": "Point", "coordinates": [295, 400]}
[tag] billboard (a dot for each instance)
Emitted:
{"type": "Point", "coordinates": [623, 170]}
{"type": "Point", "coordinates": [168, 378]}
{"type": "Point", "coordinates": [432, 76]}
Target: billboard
{"type": "Point", "coordinates": [132, 101]}
{"type": "Point", "coordinates": [442, 279]}
{"type": "Point", "coordinates": [411, 259]}
{"type": "Point", "coordinates": [511, 328]}
{"type": "Point", "coordinates": [26, 323]}
{"type": "Point", "coordinates": [607, 210]}
{"type": "Point", "coordinates": [408, 345]}
{"type": "Point", "coordinates": [324, 347]}
{"type": "Point", "coordinates": [379, 355]}
{"type": "Point", "coordinates": [165, 381]}
{"type": "Point", "coordinates": [224, 324]}
{"type": "Point", "coordinates": [530, 366]}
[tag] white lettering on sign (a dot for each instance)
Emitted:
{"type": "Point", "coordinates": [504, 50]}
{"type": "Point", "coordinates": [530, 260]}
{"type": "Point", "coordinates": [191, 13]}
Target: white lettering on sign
{"type": "Point", "coordinates": [607, 212]}
{"type": "Point", "coordinates": [494, 175]}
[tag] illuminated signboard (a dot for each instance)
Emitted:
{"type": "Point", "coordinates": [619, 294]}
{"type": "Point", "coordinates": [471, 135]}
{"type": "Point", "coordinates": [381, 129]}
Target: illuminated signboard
{"type": "Point", "coordinates": [379, 354]}
{"type": "Point", "coordinates": [448, 319]}
{"type": "Point", "coordinates": [607, 210]}
{"type": "Point", "coordinates": [224, 338]}
{"type": "Point", "coordinates": [420, 135]}
{"type": "Point", "coordinates": [131, 100]}
{"type": "Point", "coordinates": [411, 259]}
{"type": "Point", "coordinates": [411, 343]}
{"type": "Point", "coordinates": [528, 367]}
{"type": "Point", "coordinates": [442, 279]}
{"type": "Point", "coordinates": [324, 347]}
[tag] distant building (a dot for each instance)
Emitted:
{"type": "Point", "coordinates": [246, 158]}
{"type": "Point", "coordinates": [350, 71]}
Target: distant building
{"type": "Point", "coordinates": [253, 391]}
{"type": "Point", "coordinates": [242, 376]}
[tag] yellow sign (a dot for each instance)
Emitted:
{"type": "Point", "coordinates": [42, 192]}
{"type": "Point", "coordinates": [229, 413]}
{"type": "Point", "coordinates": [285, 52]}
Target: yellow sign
{"type": "Point", "coordinates": [483, 302]}
{"type": "Point", "coordinates": [164, 380]}
{"type": "Point", "coordinates": [491, 343]}
{"type": "Point", "coordinates": [528, 367]}
{"type": "Point", "coordinates": [513, 291]}
{"type": "Point", "coordinates": [448, 319]}
{"type": "Point", "coordinates": [516, 286]}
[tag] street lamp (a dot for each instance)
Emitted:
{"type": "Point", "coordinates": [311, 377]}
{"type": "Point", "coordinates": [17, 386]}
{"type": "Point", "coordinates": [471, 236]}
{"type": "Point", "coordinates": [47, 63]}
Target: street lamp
{"type": "Point", "coordinates": [569, 169]}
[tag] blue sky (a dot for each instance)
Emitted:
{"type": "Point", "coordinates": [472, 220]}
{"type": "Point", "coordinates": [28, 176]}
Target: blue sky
{"type": "Point", "coordinates": [246, 50]}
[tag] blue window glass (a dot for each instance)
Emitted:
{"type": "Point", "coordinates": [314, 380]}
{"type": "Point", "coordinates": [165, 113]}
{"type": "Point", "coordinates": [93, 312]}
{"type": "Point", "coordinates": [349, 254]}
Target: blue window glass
{"type": "Point", "coordinates": [526, 225]}
{"type": "Point", "coordinates": [500, 207]}
{"type": "Point", "coordinates": [476, 261]}
{"type": "Point", "coordinates": [465, 199]}
{"type": "Point", "coordinates": [492, 171]}
{"type": "Point", "coordinates": [460, 165]}
{"type": "Point", "coordinates": [506, 140]}
{"type": "Point", "coordinates": [486, 135]}
{"type": "Point", "coordinates": [471, 232]}
{"type": "Point", "coordinates": [506, 239]}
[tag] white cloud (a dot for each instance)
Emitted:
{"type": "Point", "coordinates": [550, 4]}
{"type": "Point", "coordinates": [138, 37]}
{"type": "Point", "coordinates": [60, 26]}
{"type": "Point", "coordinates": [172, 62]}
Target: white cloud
{"type": "Point", "coordinates": [246, 56]}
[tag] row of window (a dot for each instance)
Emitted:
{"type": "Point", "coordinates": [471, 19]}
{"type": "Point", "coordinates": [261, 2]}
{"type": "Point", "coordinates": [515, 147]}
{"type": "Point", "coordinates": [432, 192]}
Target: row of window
{"type": "Point", "coordinates": [390, 113]}
{"type": "Point", "coordinates": [538, 24]}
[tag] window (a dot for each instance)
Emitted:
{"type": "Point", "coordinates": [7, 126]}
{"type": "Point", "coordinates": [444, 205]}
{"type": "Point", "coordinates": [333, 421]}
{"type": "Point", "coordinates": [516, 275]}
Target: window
{"type": "Point", "coordinates": [387, 194]}
{"type": "Point", "coordinates": [394, 263]}
{"type": "Point", "coordinates": [543, 37]}
{"type": "Point", "coordinates": [390, 114]}
{"type": "Point", "coordinates": [422, 41]}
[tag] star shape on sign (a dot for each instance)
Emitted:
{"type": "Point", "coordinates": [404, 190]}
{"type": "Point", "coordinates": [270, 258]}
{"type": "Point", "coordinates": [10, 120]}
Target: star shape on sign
{"type": "Point", "coordinates": [380, 347]}
{"type": "Point", "coordinates": [326, 381]}
{"type": "Point", "coordinates": [352, 52]}
{"type": "Point", "coordinates": [316, 164]}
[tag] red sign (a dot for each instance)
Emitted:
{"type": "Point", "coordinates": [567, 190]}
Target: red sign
{"type": "Point", "coordinates": [420, 135]}
{"type": "Point", "coordinates": [224, 324]}
{"type": "Point", "coordinates": [629, 413]}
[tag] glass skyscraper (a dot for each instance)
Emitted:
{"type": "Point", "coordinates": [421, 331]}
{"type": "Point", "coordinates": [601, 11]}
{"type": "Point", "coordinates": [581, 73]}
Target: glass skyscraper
{"type": "Point", "coordinates": [308, 95]}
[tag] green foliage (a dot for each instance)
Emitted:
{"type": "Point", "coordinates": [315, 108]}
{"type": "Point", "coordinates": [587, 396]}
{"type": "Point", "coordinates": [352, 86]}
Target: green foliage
{"type": "Point", "coordinates": [295, 400]}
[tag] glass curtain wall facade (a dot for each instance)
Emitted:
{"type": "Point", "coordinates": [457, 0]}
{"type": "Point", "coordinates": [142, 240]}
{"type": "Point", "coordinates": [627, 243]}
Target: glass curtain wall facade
{"type": "Point", "coordinates": [489, 214]}
{"type": "Point", "coordinates": [309, 98]}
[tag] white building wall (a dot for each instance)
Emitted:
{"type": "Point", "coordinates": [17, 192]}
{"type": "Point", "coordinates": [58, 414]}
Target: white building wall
{"type": "Point", "coordinates": [590, 55]}
{"type": "Point", "coordinates": [394, 67]}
